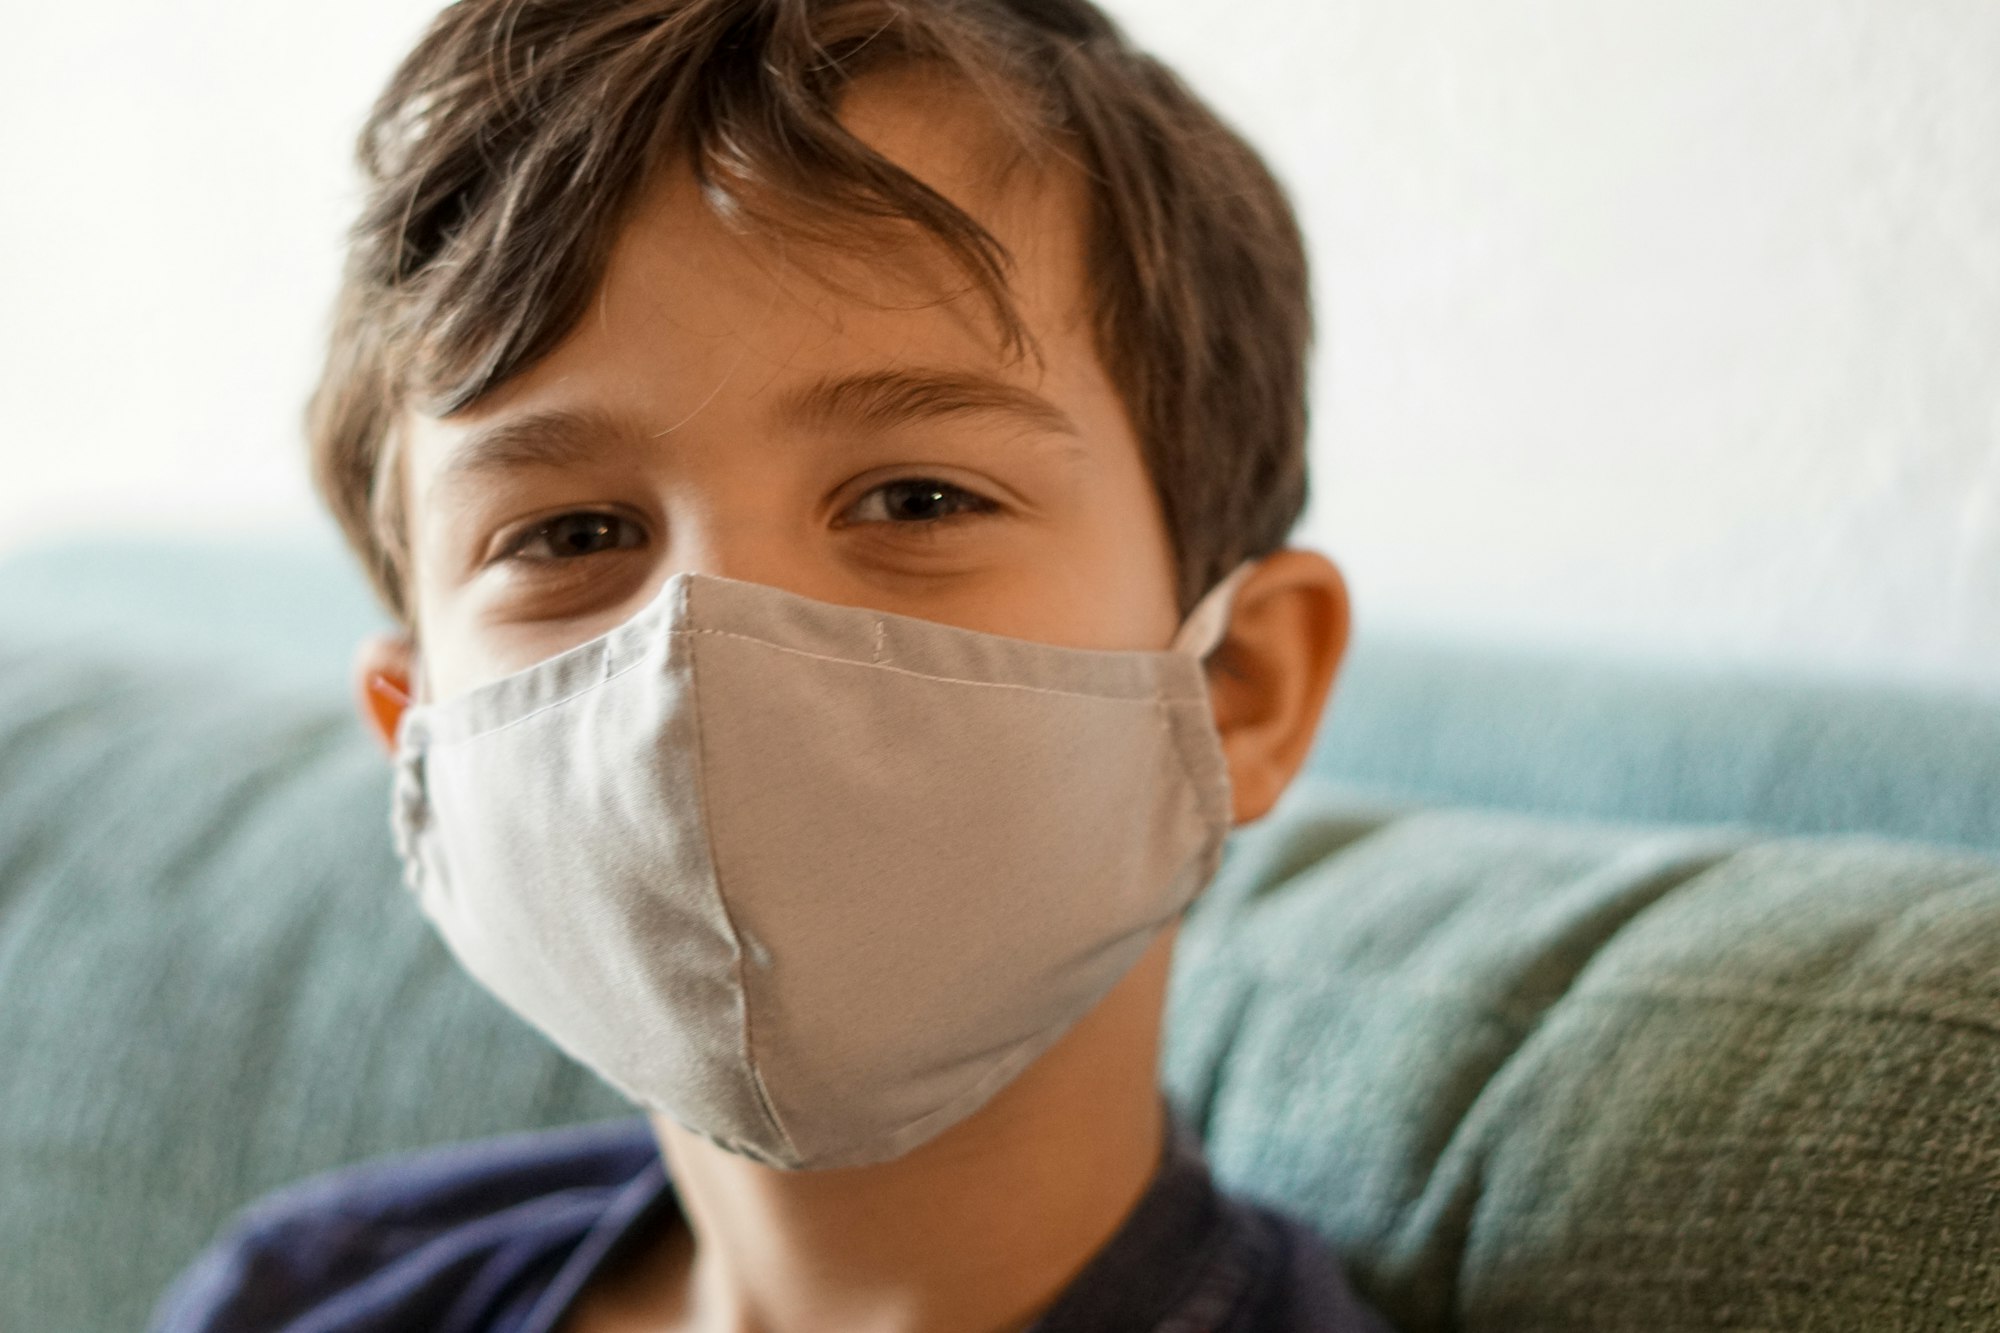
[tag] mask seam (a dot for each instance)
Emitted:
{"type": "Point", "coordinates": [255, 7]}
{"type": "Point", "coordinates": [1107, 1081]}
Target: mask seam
{"type": "Point", "coordinates": [1152, 696]}
{"type": "Point", "coordinates": [1164, 712]}
{"type": "Point", "coordinates": [633, 629]}
{"type": "Point", "coordinates": [764, 1102]}
{"type": "Point", "coordinates": [1179, 745]}
{"type": "Point", "coordinates": [953, 1110]}
{"type": "Point", "coordinates": [533, 713]}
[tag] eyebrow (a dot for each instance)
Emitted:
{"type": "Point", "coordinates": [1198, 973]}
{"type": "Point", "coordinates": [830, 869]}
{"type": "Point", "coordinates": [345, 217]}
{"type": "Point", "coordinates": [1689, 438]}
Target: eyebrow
{"type": "Point", "coordinates": [883, 399]}
{"type": "Point", "coordinates": [566, 437]}
{"type": "Point", "coordinates": [556, 438]}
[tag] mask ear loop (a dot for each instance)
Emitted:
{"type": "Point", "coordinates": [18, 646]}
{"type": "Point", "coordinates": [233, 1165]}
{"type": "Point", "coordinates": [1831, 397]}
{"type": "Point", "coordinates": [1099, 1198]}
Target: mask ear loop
{"type": "Point", "coordinates": [1206, 624]}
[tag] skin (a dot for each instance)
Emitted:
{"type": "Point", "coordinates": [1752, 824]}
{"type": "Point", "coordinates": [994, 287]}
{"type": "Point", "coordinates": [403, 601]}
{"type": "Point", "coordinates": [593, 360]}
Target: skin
{"type": "Point", "coordinates": [701, 446]}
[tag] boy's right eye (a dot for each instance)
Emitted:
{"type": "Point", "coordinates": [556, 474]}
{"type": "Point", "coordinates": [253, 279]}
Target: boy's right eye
{"type": "Point", "coordinates": [570, 535]}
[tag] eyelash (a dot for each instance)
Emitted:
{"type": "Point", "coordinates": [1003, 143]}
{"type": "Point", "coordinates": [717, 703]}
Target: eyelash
{"type": "Point", "coordinates": [517, 548]}
{"type": "Point", "coordinates": [968, 504]}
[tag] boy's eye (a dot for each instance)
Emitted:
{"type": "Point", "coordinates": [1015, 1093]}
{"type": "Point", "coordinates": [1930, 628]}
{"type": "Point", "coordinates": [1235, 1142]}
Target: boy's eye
{"type": "Point", "coordinates": [574, 535]}
{"type": "Point", "coordinates": [915, 500]}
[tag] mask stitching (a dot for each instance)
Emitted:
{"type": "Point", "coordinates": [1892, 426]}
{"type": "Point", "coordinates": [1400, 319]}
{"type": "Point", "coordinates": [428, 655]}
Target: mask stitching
{"type": "Point", "coordinates": [952, 1111]}
{"type": "Point", "coordinates": [1154, 696]}
{"type": "Point", "coordinates": [533, 713]}
{"type": "Point", "coordinates": [729, 919]}
{"type": "Point", "coordinates": [1177, 742]}
{"type": "Point", "coordinates": [1143, 700]}
{"type": "Point", "coordinates": [618, 639]}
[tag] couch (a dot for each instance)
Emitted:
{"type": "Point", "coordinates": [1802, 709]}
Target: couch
{"type": "Point", "coordinates": [1560, 994]}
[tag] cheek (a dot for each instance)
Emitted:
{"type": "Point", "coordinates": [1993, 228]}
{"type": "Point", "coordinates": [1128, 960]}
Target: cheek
{"type": "Point", "coordinates": [456, 650]}
{"type": "Point", "coordinates": [1109, 582]}
{"type": "Point", "coordinates": [453, 656]}
{"type": "Point", "coordinates": [1135, 554]}
{"type": "Point", "coordinates": [442, 671]}
{"type": "Point", "coordinates": [1138, 611]}
{"type": "Point", "coordinates": [1128, 526]}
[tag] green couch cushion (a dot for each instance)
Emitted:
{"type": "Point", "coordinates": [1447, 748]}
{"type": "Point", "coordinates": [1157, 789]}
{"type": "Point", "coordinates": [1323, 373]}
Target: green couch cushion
{"type": "Point", "coordinates": [1531, 1074]}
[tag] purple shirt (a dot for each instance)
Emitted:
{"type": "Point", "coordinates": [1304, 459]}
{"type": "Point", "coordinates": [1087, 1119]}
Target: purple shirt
{"type": "Point", "coordinates": [500, 1235]}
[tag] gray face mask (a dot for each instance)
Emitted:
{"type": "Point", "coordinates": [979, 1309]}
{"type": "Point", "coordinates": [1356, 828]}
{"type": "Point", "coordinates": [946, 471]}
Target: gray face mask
{"type": "Point", "coordinates": [812, 880]}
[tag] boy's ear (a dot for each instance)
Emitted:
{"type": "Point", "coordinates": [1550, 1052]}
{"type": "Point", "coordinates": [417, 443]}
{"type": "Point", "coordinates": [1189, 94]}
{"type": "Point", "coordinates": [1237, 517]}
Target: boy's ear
{"type": "Point", "coordinates": [1269, 680]}
{"type": "Point", "coordinates": [384, 665]}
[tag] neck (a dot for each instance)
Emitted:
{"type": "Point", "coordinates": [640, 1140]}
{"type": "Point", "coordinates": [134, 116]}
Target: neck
{"type": "Point", "coordinates": [979, 1229]}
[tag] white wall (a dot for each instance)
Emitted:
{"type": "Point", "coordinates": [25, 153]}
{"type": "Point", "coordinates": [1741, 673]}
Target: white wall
{"type": "Point", "coordinates": [1665, 328]}
{"type": "Point", "coordinates": [174, 184]}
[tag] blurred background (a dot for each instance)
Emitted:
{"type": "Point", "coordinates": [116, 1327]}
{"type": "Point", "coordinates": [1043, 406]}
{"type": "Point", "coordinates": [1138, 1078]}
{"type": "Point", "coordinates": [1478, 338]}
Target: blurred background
{"type": "Point", "coordinates": [1666, 331]}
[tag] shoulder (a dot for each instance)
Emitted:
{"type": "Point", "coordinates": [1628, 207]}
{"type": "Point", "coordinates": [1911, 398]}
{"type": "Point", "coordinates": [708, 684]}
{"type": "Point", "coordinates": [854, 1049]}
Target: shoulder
{"type": "Point", "coordinates": [405, 1233]}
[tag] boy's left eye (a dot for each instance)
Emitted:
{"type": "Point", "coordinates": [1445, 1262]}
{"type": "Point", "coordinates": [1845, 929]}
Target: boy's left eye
{"type": "Point", "coordinates": [915, 500]}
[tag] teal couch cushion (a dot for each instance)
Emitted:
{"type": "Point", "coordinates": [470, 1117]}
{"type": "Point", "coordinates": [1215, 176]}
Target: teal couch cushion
{"type": "Point", "coordinates": [1527, 1072]}
{"type": "Point", "coordinates": [1786, 752]}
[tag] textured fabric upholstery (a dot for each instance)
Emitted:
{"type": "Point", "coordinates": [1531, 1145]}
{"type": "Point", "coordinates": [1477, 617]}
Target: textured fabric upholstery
{"type": "Point", "coordinates": [1460, 724]}
{"type": "Point", "coordinates": [1531, 1074]}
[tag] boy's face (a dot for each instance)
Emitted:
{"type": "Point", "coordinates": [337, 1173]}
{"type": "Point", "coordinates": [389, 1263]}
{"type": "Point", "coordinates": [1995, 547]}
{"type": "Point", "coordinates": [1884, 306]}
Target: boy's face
{"type": "Point", "coordinates": [846, 427]}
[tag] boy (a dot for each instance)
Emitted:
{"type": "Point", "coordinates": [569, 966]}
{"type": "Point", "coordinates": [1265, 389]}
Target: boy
{"type": "Point", "coordinates": [831, 459]}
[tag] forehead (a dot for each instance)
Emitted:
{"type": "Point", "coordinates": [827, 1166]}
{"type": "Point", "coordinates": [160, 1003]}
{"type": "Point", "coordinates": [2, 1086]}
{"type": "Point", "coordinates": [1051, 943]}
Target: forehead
{"type": "Point", "coordinates": [699, 303]}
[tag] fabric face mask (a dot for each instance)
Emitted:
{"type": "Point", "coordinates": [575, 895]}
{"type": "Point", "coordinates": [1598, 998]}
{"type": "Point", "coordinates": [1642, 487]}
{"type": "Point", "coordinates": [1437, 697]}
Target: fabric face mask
{"type": "Point", "coordinates": [812, 880]}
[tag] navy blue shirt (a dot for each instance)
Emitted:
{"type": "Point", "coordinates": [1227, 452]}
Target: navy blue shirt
{"type": "Point", "coordinates": [500, 1236]}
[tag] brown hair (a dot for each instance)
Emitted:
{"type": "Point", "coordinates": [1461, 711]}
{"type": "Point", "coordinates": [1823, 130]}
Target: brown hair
{"type": "Point", "coordinates": [501, 158]}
